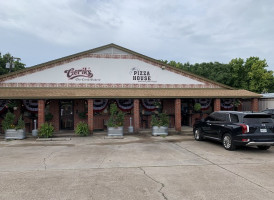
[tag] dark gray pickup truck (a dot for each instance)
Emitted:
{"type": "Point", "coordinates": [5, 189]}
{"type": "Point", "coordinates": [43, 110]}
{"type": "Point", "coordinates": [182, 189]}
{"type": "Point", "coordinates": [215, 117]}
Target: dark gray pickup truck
{"type": "Point", "coordinates": [237, 129]}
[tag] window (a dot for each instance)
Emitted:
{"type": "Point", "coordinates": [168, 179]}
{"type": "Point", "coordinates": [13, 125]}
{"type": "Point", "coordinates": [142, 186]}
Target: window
{"type": "Point", "coordinates": [234, 118]}
{"type": "Point", "coordinates": [221, 117]}
{"type": "Point", "coordinates": [257, 119]}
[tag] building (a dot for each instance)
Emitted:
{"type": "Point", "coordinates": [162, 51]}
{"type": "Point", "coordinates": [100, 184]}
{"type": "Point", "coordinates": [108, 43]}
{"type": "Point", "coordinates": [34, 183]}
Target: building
{"type": "Point", "coordinates": [266, 101]}
{"type": "Point", "coordinates": [84, 84]}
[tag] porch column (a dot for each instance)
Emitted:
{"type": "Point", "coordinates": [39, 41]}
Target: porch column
{"type": "Point", "coordinates": [217, 104]}
{"type": "Point", "coordinates": [136, 116]}
{"type": "Point", "coordinates": [41, 112]}
{"type": "Point", "coordinates": [178, 116]}
{"type": "Point", "coordinates": [255, 105]}
{"type": "Point", "coordinates": [90, 115]}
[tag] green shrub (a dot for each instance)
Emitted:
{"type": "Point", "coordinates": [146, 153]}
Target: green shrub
{"type": "Point", "coordinates": [197, 107]}
{"type": "Point", "coordinates": [161, 120]}
{"type": "Point", "coordinates": [46, 130]}
{"type": "Point", "coordinates": [82, 129]}
{"type": "Point", "coordinates": [21, 123]}
{"type": "Point", "coordinates": [8, 121]}
{"type": "Point", "coordinates": [164, 119]}
{"type": "Point", "coordinates": [116, 116]}
{"type": "Point", "coordinates": [154, 120]}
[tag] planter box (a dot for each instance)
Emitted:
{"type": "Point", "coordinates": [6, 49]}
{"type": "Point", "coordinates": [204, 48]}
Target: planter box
{"type": "Point", "coordinates": [15, 134]}
{"type": "Point", "coordinates": [113, 131]}
{"type": "Point", "coordinates": [159, 130]}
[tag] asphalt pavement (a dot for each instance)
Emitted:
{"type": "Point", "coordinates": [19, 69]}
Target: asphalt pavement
{"type": "Point", "coordinates": [135, 167]}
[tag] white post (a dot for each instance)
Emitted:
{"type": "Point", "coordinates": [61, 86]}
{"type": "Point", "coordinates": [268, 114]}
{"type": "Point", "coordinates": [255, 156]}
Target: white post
{"type": "Point", "coordinates": [130, 128]}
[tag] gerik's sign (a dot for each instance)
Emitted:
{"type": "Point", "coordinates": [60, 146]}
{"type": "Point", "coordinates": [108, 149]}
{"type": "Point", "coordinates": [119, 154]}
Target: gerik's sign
{"type": "Point", "coordinates": [84, 74]}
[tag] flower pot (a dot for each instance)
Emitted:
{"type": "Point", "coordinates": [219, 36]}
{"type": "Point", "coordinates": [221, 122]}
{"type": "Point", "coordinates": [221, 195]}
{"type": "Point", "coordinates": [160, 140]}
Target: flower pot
{"type": "Point", "coordinates": [15, 134]}
{"type": "Point", "coordinates": [115, 131]}
{"type": "Point", "coordinates": [160, 130]}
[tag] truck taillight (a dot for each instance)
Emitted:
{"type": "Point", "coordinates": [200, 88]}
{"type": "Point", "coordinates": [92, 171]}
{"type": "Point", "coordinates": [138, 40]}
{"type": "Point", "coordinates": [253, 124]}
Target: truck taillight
{"type": "Point", "coordinates": [245, 128]}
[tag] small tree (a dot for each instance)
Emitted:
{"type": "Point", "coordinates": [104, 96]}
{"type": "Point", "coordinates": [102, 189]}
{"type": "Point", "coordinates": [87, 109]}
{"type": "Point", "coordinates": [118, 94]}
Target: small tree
{"type": "Point", "coordinates": [21, 123]}
{"type": "Point", "coordinates": [82, 129]}
{"type": "Point", "coordinates": [161, 120]}
{"type": "Point", "coordinates": [46, 130]}
{"type": "Point", "coordinates": [116, 116]}
{"type": "Point", "coordinates": [8, 121]}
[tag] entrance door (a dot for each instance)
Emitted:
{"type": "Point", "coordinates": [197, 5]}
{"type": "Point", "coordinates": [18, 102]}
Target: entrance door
{"type": "Point", "coordinates": [66, 115]}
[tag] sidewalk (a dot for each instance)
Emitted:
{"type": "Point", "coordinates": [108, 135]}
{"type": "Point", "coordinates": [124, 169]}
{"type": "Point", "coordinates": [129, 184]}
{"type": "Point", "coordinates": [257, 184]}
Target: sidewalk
{"type": "Point", "coordinates": [145, 133]}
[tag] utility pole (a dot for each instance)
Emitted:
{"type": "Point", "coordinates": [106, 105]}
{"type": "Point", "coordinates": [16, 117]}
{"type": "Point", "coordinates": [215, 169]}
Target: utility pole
{"type": "Point", "coordinates": [10, 64]}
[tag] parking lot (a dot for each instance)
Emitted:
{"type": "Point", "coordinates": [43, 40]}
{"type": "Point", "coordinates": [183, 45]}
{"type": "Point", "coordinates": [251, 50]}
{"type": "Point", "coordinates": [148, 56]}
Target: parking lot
{"type": "Point", "coordinates": [135, 167]}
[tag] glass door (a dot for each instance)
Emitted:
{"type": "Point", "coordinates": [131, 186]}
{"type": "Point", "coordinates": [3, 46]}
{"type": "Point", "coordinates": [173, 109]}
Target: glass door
{"type": "Point", "coordinates": [66, 115]}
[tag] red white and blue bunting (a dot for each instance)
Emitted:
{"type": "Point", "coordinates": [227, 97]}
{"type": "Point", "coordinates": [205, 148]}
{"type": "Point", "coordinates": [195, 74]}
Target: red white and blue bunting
{"type": "Point", "coordinates": [205, 103]}
{"type": "Point", "coordinates": [149, 104]}
{"type": "Point", "coordinates": [125, 104]}
{"type": "Point", "coordinates": [31, 105]}
{"type": "Point", "coordinates": [3, 105]}
{"type": "Point", "coordinates": [227, 103]}
{"type": "Point", "coordinates": [100, 104]}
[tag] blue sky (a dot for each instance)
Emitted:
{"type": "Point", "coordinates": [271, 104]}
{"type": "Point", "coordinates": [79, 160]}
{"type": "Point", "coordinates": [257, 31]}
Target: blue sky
{"type": "Point", "coordinates": [194, 31]}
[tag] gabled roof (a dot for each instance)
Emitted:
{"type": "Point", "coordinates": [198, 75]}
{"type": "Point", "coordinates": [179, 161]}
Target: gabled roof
{"type": "Point", "coordinates": [98, 49]}
{"type": "Point", "coordinates": [208, 89]}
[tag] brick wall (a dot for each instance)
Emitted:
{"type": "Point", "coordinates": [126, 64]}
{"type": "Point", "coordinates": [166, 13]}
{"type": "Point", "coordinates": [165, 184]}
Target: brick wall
{"type": "Point", "coordinates": [54, 110]}
{"type": "Point", "coordinates": [217, 104]}
{"type": "Point", "coordinates": [41, 112]}
{"type": "Point", "coordinates": [169, 106]}
{"type": "Point", "coordinates": [79, 107]}
{"type": "Point", "coordinates": [136, 114]}
{"type": "Point", "coordinates": [178, 116]}
{"type": "Point", "coordinates": [255, 105]}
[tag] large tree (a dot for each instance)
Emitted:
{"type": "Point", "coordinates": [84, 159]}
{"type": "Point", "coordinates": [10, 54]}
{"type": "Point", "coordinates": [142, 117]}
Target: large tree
{"type": "Point", "coordinates": [250, 74]}
{"type": "Point", "coordinates": [7, 58]}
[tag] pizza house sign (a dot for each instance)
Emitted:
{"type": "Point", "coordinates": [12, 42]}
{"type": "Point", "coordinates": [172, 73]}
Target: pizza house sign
{"type": "Point", "coordinates": [140, 75]}
{"type": "Point", "coordinates": [84, 74]}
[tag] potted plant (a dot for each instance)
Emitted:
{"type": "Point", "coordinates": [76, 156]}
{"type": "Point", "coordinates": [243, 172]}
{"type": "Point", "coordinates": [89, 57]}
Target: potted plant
{"type": "Point", "coordinates": [46, 130]}
{"type": "Point", "coordinates": [21, 128]}
{"type": "Point", "coordinates": [159, 124]}
{"type": "Point", "coordinates": [82, 129]}
{"type": "Point", "coordinates": [116, 121]}
{"type": "Point", "coordinates": [197, 107]}
{"type": "Point", "coordinates": [11, 130]}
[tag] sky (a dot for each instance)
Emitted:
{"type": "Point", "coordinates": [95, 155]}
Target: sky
{"type": "Point", "coordinates": [192, 31]}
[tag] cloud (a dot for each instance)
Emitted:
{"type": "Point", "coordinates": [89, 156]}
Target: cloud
{"type": "Point", "coordinates": [195, 31]}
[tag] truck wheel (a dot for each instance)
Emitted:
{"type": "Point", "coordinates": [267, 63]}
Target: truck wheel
{"type": "Point", "coordinates": [228, 143]}
{"type": "Point", "coordinates": [198, 134]}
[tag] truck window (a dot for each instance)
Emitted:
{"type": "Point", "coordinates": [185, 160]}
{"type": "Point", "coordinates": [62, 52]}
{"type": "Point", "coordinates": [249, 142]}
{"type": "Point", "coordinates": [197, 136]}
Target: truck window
{"type": "Point", "coordinates": [234, 118]}
{"type": "Point", "coordinates": [258, 119]}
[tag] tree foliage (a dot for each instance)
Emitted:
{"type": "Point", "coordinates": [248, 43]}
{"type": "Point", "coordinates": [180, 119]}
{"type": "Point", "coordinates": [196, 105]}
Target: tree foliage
{"type": "Point", "coordinates": [7, 58]}
{"type": "Point", "coordinates": [250, 74]}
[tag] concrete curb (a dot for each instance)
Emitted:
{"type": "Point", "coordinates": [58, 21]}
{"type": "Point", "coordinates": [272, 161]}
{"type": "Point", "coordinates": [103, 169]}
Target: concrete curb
{"type": "Point", "coordinates": [53, 139]}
